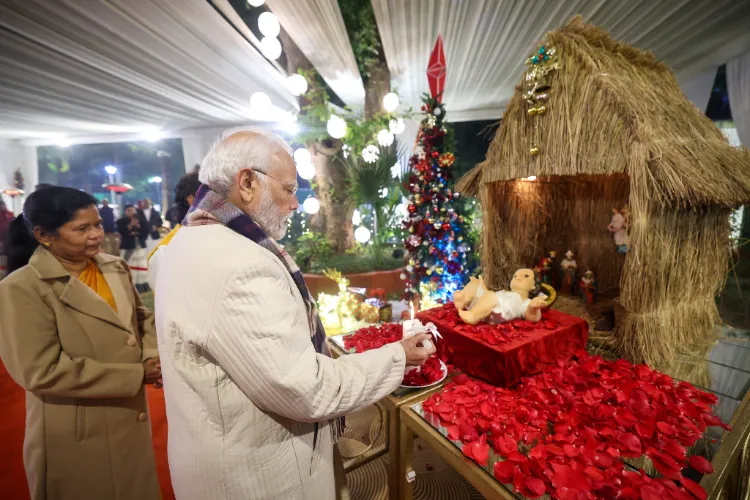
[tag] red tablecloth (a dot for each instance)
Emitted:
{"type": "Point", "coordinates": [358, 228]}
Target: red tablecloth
{"type": "Point", "coordinates": [529, 350]}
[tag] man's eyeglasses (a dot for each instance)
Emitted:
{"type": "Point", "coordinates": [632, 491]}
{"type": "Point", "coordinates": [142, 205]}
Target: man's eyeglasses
{"type": "Point", "coordinates": [291, 188]}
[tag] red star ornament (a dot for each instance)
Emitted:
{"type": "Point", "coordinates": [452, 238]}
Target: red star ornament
{"type": "Point", "coordinates": [436, 70]}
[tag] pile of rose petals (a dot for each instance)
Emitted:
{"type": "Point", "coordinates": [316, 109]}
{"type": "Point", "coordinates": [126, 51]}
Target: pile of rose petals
{"type": "Point", "coordinates": [431, 372]}
{"type": "Point", "coordinates": [447, 316]}
{"type": "Point", "coordinates": [566, 430]}
{"type": "Point", "coordinates": [373, 337]}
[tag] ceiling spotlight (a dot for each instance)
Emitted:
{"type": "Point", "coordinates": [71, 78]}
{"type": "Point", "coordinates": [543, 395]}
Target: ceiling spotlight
{"type": "Point", "coordinates": [256, 3]}
{"type": "Point", "coordinates": [271, 48]}
{"type": "Point", "coordinates": [268, 24]}
{"type": "Point", "coordinates": [110, 169]}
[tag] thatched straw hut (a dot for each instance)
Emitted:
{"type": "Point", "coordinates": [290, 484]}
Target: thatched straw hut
{"type": "Point", "coordinates": [617, 130]}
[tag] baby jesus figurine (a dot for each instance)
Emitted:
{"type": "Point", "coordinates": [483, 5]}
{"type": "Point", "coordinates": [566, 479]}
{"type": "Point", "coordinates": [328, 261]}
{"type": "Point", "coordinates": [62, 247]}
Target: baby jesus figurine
{"type": "Point", "coordinates": [524, 300]}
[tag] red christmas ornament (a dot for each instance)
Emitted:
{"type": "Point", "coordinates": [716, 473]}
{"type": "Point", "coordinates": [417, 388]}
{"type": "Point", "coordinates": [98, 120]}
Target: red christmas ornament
{"type": "Point", "coordinates": [435, 154]}
{"type": "Point", "coordinates": [412, 209]}
{"type": "Point", "coordinates": [446, 226]}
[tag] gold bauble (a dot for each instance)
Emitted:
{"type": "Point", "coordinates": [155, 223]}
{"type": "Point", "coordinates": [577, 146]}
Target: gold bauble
{"type": "Point", "coordinates": [541, 109]}
{"type": "Point", "coordinates": [534, 151]}
{"type": "Point", "coordinates": [532, 111]}
{"type": "Point", "coordinates": [439, 270]}
{"type": "Point", "coordinates": [431, 220]}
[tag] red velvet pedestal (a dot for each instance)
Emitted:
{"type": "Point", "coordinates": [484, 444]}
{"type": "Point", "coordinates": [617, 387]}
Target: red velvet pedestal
{"type": "Point", "coordinates": [502, 354]}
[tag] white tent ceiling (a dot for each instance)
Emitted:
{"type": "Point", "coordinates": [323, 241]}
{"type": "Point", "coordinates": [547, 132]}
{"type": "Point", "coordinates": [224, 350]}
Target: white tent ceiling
{"type": "Point", "coordinates": [317, 28]}
{"type": "Point", "coordinates": [487, 41]}
{"type": "Point", "coordinates": [71, 67]}
{"type": "Point", "coordinates": [93, 68]}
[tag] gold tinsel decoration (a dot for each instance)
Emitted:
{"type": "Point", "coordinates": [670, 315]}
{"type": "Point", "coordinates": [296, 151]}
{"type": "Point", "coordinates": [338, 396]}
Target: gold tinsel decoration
{"type": "Point", "coordinates": [537, 86]}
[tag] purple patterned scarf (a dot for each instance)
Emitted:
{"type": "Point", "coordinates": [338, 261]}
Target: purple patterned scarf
{"type": "Point", "coordinates": [209, 208]}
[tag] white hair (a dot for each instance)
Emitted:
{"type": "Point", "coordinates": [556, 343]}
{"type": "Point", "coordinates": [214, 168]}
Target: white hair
{"type": "Point", "coordinates": [226, 158]}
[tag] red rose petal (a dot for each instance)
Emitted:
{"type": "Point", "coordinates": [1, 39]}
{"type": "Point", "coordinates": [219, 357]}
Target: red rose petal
{"type": "Point", "coordinates": [630, 441]}
{"type": "Point", "coordinates": [504, 471]}
{"type": "Point", "coordinates": [535, 486]}
{"type": "Point", "coordinates": [517, 456]}
{"type": "Point", "coordinates": [594, 473]}
{"type": "Point", "coordinates": [700, 464]}
{"type": "Point", "coordinates": [650, 493]}
{"type": "Point", "coordinates": [453, 432]}
{"type": "Point", "coordinates": [694, 488]}
{"type": "Point", "coordinates": [644, 430]}
{"type": "Point", "coordinates": [481, 450]}
{"type": "Point", "coordinates": [666, 428]}
{"type": "Point", "coordinates": [665, 470]}
{"type": "Point", "coordinates": [570, 450]}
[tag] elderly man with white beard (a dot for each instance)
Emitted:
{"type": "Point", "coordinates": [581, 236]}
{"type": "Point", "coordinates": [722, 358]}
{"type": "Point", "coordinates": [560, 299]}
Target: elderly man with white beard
{"type": "Point", "coordinates": [254, 400]}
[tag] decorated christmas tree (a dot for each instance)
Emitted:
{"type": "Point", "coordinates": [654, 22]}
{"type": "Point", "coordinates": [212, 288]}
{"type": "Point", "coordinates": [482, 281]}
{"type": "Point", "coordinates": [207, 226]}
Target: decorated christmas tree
{"type": "Point", "coordinates": [437, 243]}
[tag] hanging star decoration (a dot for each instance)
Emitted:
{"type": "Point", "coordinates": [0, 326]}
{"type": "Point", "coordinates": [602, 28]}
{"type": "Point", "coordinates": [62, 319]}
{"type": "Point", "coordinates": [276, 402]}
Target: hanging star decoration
{"type": "Point", "coordinates": [537, 86]}
{"type": "Point", "coordinates": [436, 70]}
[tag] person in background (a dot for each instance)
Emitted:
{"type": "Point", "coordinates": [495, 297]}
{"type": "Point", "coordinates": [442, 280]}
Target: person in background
{"type": "Point", "coordinates": [253, 397]}
{"type": "Point", "coordinates": [129, 227]}
{"type": "Point", "coordinates": [111, 242]}
{"type": "Point", "coordinates": [173, 216]}
{"type": "Point", "coordinates": [184, 193]}
{"type": "Point", "coordinates": [153, 222]}
{"type": "Point", "coordinates": [6, 216]}
{"type": "Point", "coordinates": [75, 335]}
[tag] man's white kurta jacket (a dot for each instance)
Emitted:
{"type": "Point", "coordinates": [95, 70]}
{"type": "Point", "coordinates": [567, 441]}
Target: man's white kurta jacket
{"type": "Point", "coordinates": [242, 382]}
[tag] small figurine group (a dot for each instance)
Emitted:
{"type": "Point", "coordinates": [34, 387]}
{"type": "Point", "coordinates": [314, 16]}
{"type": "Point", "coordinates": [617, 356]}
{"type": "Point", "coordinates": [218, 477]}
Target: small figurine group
{"type": "Point", "coordinates": [586, 287]}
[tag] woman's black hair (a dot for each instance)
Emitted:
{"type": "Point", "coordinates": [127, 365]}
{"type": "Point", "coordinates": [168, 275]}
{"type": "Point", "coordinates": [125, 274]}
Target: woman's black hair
{"type": "Point", "coordinates": [187, 185]}
{"type": "Point", "coordinates": [48, 208]}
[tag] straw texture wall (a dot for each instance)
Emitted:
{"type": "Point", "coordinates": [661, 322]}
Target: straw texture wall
{"type": "Point", "coordinates": [618, 130]}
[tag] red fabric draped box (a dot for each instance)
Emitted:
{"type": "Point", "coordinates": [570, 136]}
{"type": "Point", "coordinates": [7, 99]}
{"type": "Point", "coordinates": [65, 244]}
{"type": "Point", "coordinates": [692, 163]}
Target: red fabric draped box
{"type": "Point", "coordinates": [502, 354]}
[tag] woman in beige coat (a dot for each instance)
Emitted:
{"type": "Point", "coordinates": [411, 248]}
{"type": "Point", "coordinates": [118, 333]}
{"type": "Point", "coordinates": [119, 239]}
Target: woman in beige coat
{"type": "Point", "coordinates": [75, 335]}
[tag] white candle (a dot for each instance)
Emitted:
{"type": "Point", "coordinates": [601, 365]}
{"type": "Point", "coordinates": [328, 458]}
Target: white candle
{"type": "Point", "coordinates": [414, 327]}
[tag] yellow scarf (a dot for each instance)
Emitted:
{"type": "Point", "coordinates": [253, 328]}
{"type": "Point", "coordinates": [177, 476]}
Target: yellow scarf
{"type": "Point", "coordinates": [93, 278]}
{"type": "Point", "coordinates": [165, 241]}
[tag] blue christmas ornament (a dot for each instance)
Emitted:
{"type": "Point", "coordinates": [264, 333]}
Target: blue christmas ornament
{"type": "Point", "coordinates": [541, 49]}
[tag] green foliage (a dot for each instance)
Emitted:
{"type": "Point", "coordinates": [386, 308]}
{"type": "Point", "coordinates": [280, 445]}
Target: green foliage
{"type": "Point", "coordinates": [314, 110]}
{"type": "Point", "coordinates": [361, 27]}
{"type": "Point", "coordinates": [311, 250]}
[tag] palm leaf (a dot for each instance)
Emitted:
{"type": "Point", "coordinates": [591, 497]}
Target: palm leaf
{"type": "Point", "coordinates": [365, 180]}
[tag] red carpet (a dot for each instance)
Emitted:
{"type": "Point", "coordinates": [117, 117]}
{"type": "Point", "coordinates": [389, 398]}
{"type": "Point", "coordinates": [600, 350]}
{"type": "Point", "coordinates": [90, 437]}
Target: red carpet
{"type": "Point", "coordinates": [12, 476]}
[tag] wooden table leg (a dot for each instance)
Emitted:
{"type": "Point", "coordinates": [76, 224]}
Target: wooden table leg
{"type": "Point", "coordinates": [405, 462]}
